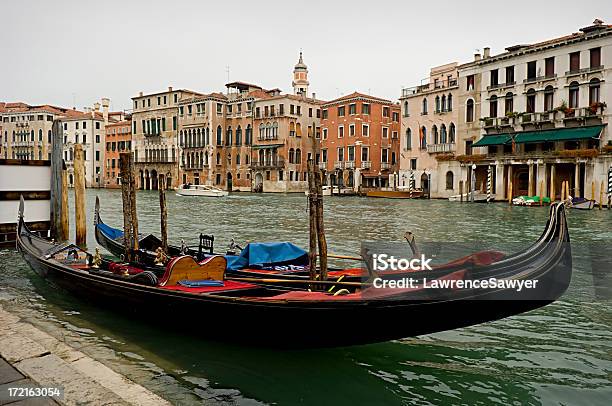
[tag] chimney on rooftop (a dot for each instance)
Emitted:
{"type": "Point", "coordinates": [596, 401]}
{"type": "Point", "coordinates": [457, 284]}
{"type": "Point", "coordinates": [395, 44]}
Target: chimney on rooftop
{"type": "Point", "coordinates": [105, 105]}
{"type": "Point", "coordinates": [96, 106]}
{"type": "Point", "coordinates": [140, 94]}
{"type": "Point", "coordinates": [169, 88]}
{"type": "Point", "coordinates": [314, 95]}
{"type": "Point", "coordinates": [486, 52]}
{"type": "Point", "coordinates": [477, 56]}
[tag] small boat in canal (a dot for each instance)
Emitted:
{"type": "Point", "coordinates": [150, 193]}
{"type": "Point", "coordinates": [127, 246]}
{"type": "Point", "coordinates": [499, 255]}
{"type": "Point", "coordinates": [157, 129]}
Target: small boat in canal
{"type": "Point", "coordinates": [581, 203]}
{"type": "Point", "coordinates": [200, 190]}
{"type": "Point", "coordinates": [478, 197]}
{"type": "Point", "coordinates": [395, 194]}
{"type": "Point", "coordinates": [327, 191]}
{"type": "Point", "coordinates": [201, 297]}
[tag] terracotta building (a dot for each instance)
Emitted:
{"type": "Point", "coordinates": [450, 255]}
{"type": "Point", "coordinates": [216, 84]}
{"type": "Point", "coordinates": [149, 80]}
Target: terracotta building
{"type": "Point", "coordinates": [118, 139]}
{"type": "Point", "coordinates": [248, 138]}
{"type": "Point", "coordinates": [360, 143]}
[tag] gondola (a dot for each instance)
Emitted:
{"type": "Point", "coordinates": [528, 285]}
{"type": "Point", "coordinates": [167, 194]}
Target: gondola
{"type": "Point", "coordinates": [291, 266]}
{"type": "Point", "coordinates": [256, 314]}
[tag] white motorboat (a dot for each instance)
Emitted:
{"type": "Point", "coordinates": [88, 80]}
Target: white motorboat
{"type": "Point", "coordinates": [200, 190]}
{"type": "Point", "coordinates": [478, 197]}
{"type": "Point", "coordinates": [327, 191]}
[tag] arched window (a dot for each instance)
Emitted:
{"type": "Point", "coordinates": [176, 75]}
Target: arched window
{"type": "Point", "coordinates": [291, 156]}
{"type": "Point", "coordinates": [32, 135]}
{"type": "Point", "coordinates": [199, 141]}
{"type": "Point", "coordinates": [449, 102]}
{"type": "Point", "coordinates": [443, 102]}
{"type": "Point", "coordinates": [493, 106]}
{"type": "Point", "coordinates": [219, 135]}
{"type": "Point", "coordinates": [181, 140]}
{"type": "Point", "coordinates": [237, 159]}
{"type": "Point", "coordinates": [298, 156]}
{"type": "Point", "coordinates": [275, 130]}
{"type": "Point", "coordinates": [292, 129]}
{"type": "Point", "coordinates": [405, 108]}
{"type": "Point", "coordinates": [218, 158]}
{"type": "Point", "coordinates": [437, 104]}
{"type": "Point", "coordinates": [238, 138]}
{"type": "Point", "coordinates": [261, 131]}
{"type": "Point", "coordinates": [509, 103]}
{"type": "Point", "coordinates": [548, 98]}
{"type": "Point", "coordinates": [434, 134]}
{"type": "Point", "coordinates": [593, 91]}
{"type": "Point", "coordinates": [40, 135]}
{"type": "Point", "coordinates": [423, 136]}
{"type": "Point", "coordinates": [48, 136]}
{"type": "Point", "coordinates": [451, 133]}
{"type": "Point", "coordinates": [248, 135]}
{"type": "Point", "coordinates": [408, 138]}
{"type": "Point", "coordinates": [228, 136]}
{"type": "Point", "coordinates": [469, 111]}
{"type": "Point", "coordinates": [573, 95]}
{"type": "Point", "coordinates": [531, 100]}
{"type": "Point", "coordinates": [443, 138]}
{"type": "Point", "coordinates": [424, 106]}
{"type": "Point", "coordinates": [449, 180]}
{"type": "Point", "coordinates": [298, 129]}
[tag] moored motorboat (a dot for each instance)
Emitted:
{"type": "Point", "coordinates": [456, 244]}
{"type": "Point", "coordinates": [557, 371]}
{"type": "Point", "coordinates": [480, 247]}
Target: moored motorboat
{"type": "Point", "coordinates": [581, 203]}
{"type": "Point", "coordinates": [478, 197]}
{"type": "Point", "coordinates": [395, 194]}
{"type": "Point", "coordinates": [256, 313]}
{"type": "Point", "coordinates": [200, 190]}
{"type": "Point", "coordinates": [327, 191]}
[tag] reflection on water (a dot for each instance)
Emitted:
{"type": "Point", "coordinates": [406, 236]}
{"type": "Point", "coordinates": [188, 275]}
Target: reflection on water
{"type": "Point", "coordinates": [558, 354]}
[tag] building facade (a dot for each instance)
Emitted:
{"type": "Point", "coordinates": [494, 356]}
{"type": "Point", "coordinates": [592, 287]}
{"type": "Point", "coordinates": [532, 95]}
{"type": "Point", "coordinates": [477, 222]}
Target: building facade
{"type": "Point", "coordinates": [429, 133]}
{"type": "Point", "coordinates": [26, 130]}
{"type": "Point", "coordinates": [360, 143]}
{"type": "Point", "coordinates": [118, 139]}
{"type": "Point", "coordinates": [543, 116]}
{"type": "Point", "coordinates": [249, 138]}
{"type": "Point", "coordinates": [155, 123]}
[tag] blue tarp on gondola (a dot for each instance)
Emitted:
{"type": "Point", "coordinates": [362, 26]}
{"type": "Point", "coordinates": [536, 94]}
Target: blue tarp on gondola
{"type": "Point", "coordinates": [112, 233]}
{"type": "Point", "coordinates": [267, 254]}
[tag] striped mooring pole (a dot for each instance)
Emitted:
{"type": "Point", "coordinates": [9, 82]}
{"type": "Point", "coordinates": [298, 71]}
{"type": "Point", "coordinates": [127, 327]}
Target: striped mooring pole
{"type": "Point", "coordinates": [412, 184]}
{"type": "Point", "coordinates": [609, 186]}
{"type": "Point", "coordinates": [489, 172]}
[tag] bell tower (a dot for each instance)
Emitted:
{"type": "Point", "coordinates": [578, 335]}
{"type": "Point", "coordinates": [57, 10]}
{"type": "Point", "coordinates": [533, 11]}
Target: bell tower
{"type": "Point", "coordinates": [300, 77]}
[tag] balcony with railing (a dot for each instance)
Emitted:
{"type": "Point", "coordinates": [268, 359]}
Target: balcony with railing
{"type": "Point", "coordinates": [442, 147]}
{"type": "Point", "coordinates": [268, 163]}
{"type": "Point", "coordinates": [429, 87]}
{"type": "Point", "coordinates": [590, 69]}
{"type": "Point", "coordinates": [323, 165]}
{"type": "Point", "coordinates": [385, 166]}
{"type": "Point", "coordinates": [349, 164]}
{"type": "Point", "coordinates": [497, 86]}
{"type": "Point", "coordinates": [366, 164]}
{"type": "Point", "coordinates": [339, 165]}
{"type": "Point", "coordinates": [541, 78]}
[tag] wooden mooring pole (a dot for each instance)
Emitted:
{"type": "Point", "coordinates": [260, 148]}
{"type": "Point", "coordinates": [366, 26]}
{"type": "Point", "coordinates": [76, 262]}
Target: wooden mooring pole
{"type": "Point", "coordinates": [320, 227]}
{"type": "Point", "coordinates": [601, 188]}
{"type": "Point", "coordinates": [312, 217]}
{"type": "Point", "coordinates": [163, 213]}
{"type": "Point", "coordinates": [59, 189]}
{"type": "Point", "coordinates": [128, 197]}
{"type": "Point", "coordinates": [80, 219]}
{"type": "Point", "coordinates": [461, 191]}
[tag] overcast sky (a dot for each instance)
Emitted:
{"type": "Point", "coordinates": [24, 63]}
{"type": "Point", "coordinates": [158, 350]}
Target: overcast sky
{"type": "Point", "coordinates": [72, 53]}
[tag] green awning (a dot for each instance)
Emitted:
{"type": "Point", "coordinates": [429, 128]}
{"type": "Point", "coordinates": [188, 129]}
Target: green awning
{"type": "Point", "coordinates": [561, 134]}
{"type": "Point", "coordinates": [556, 134]}
{"type": "Point", "coordinates": [498, 139]}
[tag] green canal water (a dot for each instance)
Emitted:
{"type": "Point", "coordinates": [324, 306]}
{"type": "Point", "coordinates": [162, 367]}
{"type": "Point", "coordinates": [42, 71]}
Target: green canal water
{"type": "Point", "coordinates": [560, 354]}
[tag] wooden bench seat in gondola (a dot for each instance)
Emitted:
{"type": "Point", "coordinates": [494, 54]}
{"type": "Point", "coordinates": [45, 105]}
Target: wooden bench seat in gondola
{"type": "Point", "coordinates": [186, 268]}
